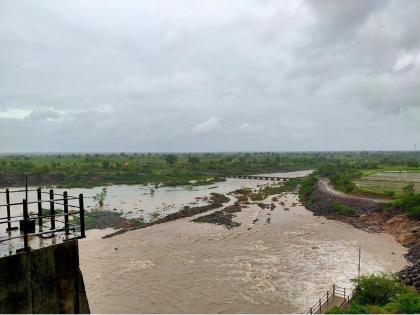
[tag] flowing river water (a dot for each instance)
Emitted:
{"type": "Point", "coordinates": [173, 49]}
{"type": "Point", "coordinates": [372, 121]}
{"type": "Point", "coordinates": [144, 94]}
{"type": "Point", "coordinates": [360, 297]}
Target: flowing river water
{"type": "Point", "coordinates": [279, 266]}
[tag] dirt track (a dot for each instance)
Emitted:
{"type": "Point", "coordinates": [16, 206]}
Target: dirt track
{"type": "Point", "coordinates": [325, 186]}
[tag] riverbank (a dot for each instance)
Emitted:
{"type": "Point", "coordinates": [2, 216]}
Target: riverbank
{"type": "Point", "coordinates": [260, 266]}
{"type": "Point", "coordinates": [368, 215]}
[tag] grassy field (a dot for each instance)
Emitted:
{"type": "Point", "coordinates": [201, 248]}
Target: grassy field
{"type": "Point", "coordinates": [387, 182]}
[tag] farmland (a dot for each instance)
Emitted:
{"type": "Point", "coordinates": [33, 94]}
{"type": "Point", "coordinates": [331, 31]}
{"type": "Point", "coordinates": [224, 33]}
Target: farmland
{"type": "Point", "coordinates": [389, 183]}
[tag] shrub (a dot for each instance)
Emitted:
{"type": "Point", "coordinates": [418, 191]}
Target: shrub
{"type": "Point", "coordinates": [409, 189]}
{"type": "Point", "coordinates": [343, 210]}
{"type": "Point", "coordinates": [378, 290]}
{"type": "Point", "coordinates": [307, 187]}
{"type": "Point", "coordinates": [390, 193]}
{"type": "Point", "coordinates": [407, 303]}
{"type": "Point", "coordinates": [409, 203]}
{"type": "Point", "coordinates": [381, 294]}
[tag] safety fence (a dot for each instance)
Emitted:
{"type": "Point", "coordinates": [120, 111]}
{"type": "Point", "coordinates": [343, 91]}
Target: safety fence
{"type": "Point", "coordinates": [50, 214]}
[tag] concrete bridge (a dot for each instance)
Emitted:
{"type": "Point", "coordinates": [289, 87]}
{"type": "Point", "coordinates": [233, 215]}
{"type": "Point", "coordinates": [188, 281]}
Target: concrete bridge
{"type": "Point", "coordinates": [273, 178]}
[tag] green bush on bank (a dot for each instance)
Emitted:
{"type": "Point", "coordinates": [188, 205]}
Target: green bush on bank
{"type": "Point", "coordinates": [307, 187]}
{"type": "Point", "coordinates": [343, 210]}
{"type": "Point", "coordinates": [381, 294]}
{"type": "Point", "coordinates": [409, 202]}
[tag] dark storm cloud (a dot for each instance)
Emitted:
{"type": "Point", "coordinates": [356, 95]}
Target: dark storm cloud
{"type": "Point", "coordinates": [209, 75]}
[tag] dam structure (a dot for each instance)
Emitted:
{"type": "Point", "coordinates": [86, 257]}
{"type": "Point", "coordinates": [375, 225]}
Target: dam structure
{"type": "Point", "coordinates": [39, 255]}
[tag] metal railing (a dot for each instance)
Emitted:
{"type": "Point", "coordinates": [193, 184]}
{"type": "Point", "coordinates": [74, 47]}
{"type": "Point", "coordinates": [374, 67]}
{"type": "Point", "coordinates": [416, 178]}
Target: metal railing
{"type": "Point", "coordinates": [46, 221]}
{"type": "Point", "coordinates": [323, 303]}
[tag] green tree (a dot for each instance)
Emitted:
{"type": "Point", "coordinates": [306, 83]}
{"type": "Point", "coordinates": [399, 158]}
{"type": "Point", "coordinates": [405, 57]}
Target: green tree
{"type": "Point", "coordinates": [193, 160]}
{"type": "Point", "coordinates": [170, 158]}
{"type": "Point", "coordinates": [412, 163]}
{"type": "Point", "coordinates": [378, 289]}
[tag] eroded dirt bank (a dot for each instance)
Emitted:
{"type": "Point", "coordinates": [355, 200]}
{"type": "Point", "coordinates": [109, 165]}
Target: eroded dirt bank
{"type": "Point", "coordinates": [371, 218]}
{"type": "Point", "coordinates": [258, 267]}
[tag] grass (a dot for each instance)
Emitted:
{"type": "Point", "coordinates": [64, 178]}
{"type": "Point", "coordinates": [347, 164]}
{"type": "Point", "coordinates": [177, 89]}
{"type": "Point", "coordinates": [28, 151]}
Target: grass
{"type": "Point", "coordinates": [397, 168]}
{"type": "Point", "coordinates": [389, 184]}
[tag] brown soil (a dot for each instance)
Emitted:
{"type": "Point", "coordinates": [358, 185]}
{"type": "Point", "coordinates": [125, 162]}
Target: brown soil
{"type": "Point", "coordinates": [371, 218]}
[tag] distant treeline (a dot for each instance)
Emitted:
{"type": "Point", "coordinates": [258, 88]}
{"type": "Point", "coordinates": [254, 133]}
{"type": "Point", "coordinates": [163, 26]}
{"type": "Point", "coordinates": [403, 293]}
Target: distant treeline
{"type": "Point", "coordinates": [82, 170]}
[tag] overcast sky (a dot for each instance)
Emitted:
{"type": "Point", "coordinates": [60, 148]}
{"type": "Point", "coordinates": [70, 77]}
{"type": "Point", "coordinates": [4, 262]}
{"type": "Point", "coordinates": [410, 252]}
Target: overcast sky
{"type": "Point", "coordinates": [193, 75]}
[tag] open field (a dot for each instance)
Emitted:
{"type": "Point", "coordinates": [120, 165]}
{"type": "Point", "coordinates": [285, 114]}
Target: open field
{"type": "Point", "coordinates": [386, 182]}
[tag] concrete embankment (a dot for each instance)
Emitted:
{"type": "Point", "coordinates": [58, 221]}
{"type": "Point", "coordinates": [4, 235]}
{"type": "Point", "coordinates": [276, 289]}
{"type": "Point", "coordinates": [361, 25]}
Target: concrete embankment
{"type": "Point", "coordinates": [45, 280]}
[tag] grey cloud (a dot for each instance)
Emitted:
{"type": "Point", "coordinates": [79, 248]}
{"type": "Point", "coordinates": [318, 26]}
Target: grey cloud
{"type": "Point", "coordinates": [44, 114]}
{"type": "Point", "coordinates": [209, 75]}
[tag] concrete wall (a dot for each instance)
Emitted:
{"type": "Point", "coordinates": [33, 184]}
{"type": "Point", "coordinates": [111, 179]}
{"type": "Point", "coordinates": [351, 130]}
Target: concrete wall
{"type": "Point", "coordinates": [46, 280]}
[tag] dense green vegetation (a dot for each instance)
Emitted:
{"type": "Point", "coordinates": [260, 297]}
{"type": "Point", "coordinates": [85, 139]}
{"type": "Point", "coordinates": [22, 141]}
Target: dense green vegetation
{"type": "Point", "coordinates": [381, 294]}
{"type": "Point", "coordinates": [81, 170]}
{"type": "Point", "coordinates": [307, 187]}
{"type": "Point", "coordinates": [409, 202]}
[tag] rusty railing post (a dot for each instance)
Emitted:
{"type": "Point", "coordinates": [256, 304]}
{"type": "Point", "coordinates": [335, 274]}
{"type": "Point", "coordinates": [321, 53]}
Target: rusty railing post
{"type": "Point", "coordinates": [328, 293]}
{"type": "Point", "coordinates": [344, 293]}
{"type": "Point", "coordinates": [66, 213]}
{"type": "Point", "coordinates": [25, 224]}
{"type": "Point", "coordinates": [52, 210]}
{"type": "Point", "coordinates": [82, 216]}
{"type": "Point", "coordinates": [333, 290]}
{"type": "Point", "coordinates": [9, 224]}
{"type": "Point", "coordinates": [39, 196]}
{"type": "Point", "coordinates": [320, 306]}
{"type": "Point", "coordinates": [310, 310]}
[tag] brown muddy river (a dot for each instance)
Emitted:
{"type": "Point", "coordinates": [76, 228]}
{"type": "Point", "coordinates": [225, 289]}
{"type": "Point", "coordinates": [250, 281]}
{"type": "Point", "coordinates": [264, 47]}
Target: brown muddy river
{"type": "Point", "coordinates": [187, 267]}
